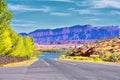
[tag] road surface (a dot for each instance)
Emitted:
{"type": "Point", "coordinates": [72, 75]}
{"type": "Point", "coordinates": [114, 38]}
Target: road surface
{"type": "Point", "coordinates": [53, 69]}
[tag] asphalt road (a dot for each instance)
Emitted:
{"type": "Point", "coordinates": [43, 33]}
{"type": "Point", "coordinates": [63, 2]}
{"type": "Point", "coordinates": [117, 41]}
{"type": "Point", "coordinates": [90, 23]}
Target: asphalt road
{"type": "Point", "coordinates": [52, 69]}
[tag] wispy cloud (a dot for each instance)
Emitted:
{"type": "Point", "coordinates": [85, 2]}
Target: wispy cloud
{"type": "Point", "coordinates": [28, 8]}
{"type": "Point", "coordinates": [22, 21]}
{"type": "Point", "coordinates": [95, 19]}
{"type": "Point", "coordinates": [100, 3]}
{"type": "Point", "coordinates": [22, 25]}
{"type": "Point", "coordinates": [60, 14]}
{"type": "Point", "coordinates": [106, 3]}
{"type": "Point", "coordinates": [85, 11]}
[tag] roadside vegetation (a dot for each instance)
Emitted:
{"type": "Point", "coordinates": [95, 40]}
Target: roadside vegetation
{"type": "Point", "coordinates": [21, 63]}
{"type": "Point", "coordinates": [12, 45]}
{"type": "Point", "coordinates": [107, 49]}
{"type": "Point", "coordinates": [37, 53]}
{"type": "Point", "coordinates": [52, 50]}
{"type": "Point", "coordinates": [97, 59]}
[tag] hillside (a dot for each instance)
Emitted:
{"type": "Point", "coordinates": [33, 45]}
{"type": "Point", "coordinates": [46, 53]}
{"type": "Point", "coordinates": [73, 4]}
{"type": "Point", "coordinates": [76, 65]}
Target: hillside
{"type": "Point", "coordinates": [77, 32]}
{"type": "Point", "coordinates": [107, 49]}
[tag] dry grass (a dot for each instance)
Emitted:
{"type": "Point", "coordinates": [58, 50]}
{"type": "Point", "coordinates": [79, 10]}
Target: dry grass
{"type": "Point", "coordinates": [81, 58]}
{"type": "Point", "coordinates": [22, 63]}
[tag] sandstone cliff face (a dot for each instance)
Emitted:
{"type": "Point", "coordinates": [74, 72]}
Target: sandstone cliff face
{"type": "Point", "coordinates": [77, 32]}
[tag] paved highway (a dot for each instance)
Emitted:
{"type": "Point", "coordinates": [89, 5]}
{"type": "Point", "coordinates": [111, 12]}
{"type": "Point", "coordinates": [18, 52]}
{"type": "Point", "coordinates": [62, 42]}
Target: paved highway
{"type": "Point", "coordinates": [53, 69]}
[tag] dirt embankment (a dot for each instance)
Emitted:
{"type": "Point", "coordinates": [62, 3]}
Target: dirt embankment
{"type": "Point", "coordinates": [5, 59]}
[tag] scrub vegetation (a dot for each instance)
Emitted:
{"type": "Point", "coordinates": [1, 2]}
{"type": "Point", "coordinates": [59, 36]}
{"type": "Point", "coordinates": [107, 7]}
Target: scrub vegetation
{"type": "Point", "coordinates": [107, 49]}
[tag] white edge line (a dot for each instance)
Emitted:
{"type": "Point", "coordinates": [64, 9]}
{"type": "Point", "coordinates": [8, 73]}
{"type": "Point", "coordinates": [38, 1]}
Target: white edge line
{"type": "Point", "coordinates": [45, 62]}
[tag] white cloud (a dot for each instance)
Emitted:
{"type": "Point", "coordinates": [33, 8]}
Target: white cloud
{"type": "Point", "coordinates": [85, 11]}
{"type": "Point", "coordinates": [95, 19]}
{"type": "Point", "coordinates": [106, 3]}
{"type": "Point", "coordinates": [103, 3]}
{"type": "Point", "coordinates": [22, 25]}
{"type": "Point", "coordinates": [99, 3]}
{"type": "Point", "coordinates": [28, 8]}
{"type": "Point", "coordinates": [60, 14]}
{"type": "Point", "coordinates": [22, 21]}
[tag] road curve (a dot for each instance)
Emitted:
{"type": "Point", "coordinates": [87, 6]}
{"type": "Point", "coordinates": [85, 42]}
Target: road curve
{"type": "Point", "coordinates": [53, 69]}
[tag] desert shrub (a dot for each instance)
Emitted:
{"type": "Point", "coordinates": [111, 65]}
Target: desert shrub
{"type": "Point", "coordinates": [75, 49]}
{"type": "Point", "coordinates": [114, 57]}
{"type": "Point", "coordinates": [110, 57]}
{"type": "Point", "coordinates": [69, 51]}
{"type": "Point", "coordinates": [62, 57]}
{"type": "Point", "coordinates": [100, 53]}
{"type": "Point", "coordinates": [94, 56]}
{"type": "Point", "coordinates": [37, 53]}
{"type": "Point", "coordinates": [106, 56]}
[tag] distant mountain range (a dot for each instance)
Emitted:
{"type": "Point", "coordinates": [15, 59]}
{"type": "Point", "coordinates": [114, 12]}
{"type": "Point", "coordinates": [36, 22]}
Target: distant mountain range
{"type": "Point", "coordinates": [76, 32]}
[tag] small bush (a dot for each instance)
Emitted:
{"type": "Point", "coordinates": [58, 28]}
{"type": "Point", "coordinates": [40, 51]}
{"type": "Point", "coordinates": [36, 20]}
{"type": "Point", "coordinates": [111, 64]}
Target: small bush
{"type": "Point", "coordinates": [114, 57]}
{"type": "Point", "coordinates": [37, 53]}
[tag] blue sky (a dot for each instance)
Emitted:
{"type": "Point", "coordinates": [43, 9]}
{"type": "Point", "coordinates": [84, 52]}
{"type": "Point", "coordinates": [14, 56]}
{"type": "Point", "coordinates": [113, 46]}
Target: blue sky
{"type": "Point", "coordinates": [29, 15]}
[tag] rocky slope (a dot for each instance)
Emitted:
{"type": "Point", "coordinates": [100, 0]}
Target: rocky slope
{"type": "Point", "coordinates": [107, 49]}
{"type": "Point", "coordinates": [77, 32]}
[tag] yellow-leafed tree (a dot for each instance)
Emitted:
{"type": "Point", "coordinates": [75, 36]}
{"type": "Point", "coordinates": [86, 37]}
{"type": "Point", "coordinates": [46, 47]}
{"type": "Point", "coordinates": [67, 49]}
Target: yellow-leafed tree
{"type": "Point", "coordinates": [12, 43]}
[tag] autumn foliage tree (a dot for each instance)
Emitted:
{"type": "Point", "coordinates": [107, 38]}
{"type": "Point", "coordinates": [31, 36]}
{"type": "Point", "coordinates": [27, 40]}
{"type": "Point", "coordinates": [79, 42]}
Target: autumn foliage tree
{"type": "Point", "coordinates": [12, 43]}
